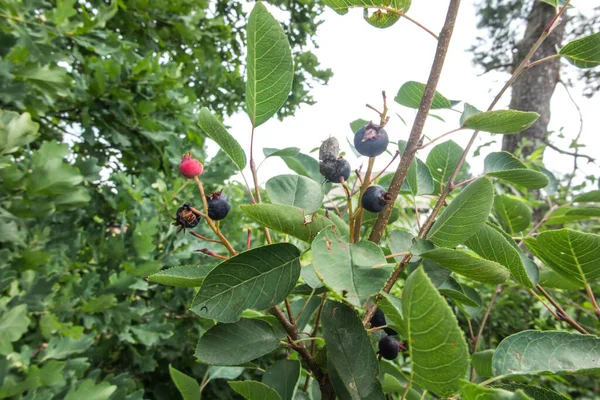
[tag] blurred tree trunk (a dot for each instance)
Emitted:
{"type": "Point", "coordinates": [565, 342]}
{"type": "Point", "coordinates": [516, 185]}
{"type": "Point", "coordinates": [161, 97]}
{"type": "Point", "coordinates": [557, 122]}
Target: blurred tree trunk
{"type": "Point", "coordinates": [533, 90]}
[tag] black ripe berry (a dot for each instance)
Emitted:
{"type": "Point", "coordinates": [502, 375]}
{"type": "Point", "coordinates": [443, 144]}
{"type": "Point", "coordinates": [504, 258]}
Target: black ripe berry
{"type": "Point", "coordinates": [389, 348]}
{"type": "Point", "coordinates": [186, 218]}
{"type": "Point", "coordinates": [371, 140]}
{"type": "Point", "coordinates": [378, 319]}
{"type": "Point", "coordinates": [335, 170]}
{"type": "Point", "coordinates": [218, 206]}
{"type": "Point", "coordinates": [375, 198]}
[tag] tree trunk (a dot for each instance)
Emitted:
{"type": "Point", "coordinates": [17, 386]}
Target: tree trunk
{"type": "Point", "coordinates": [533, 90]}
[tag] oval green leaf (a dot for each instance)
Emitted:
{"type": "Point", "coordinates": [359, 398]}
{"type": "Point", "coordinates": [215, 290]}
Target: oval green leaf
{"type": "Point", "coordinates": [472, 391]}
{"type": "Point", "coordinates": [512, 212]}
{"type": "Point", "coordinates": [297, 191]}
{"type": "Point", "coordinates": [589, 197]}
{"type": "Point", "coordinates": [287, 152]}
{"type": "Point", "coordinates": [584, 52]}
{"type": "Point", "coordinates": [501, 121]}
{"type": "Point", "coordinates": [354, 271]}
{"type": "Point", "coordinates": [350, 354]}
{"type": "Point", "coordinates": [468, 265]}
{"type": "Point", "coordinates": [540, 353]}
{"type": "Point", "coordinates": [217, 132]}
{"type": "Point", "coordinates": [182, 276]}
{"type": "Point", "coordinates": [253, 390]}
{"type": "Point", "coordinates": [568, 252]}
{"type": "Point", "coordinates": [187, 386]}
{"type": "Point", "coordinates": [438, 351]}
{"type": "Point", "coordinates": [443, 159]}
{"type": "Point", "coordinates": [341, 6]}
{"type": "Point", "coordinates": [291, 220]}
{"type": "Point", "coordinates": [411, 93]}
{"type": "Point", "coordinates": [237, 343]}
{"type": "Point", "coordinates": [465, 214]}
{"type": "Point", "coordinates": [269, 66]}
{"type": "Point", "coordinates": [283, 377]}
{"type": "Point", "coordinates": [419, 178]}
{"type": "Point", "coordinates": [505, 166]}
{"type": "Point", "coordinates": [259, 278]}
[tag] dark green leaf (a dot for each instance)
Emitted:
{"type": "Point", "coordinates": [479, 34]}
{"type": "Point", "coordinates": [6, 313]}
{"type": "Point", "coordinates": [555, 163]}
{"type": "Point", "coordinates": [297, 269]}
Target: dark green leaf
{"type": "Point", "coordinates": [13, 324]}
{"type": "Point", "coordinates": [90, 391]}
{"type": "Point", "coordinates": [472, 391]}
{"type": "Point", "coordinates": [287, 152]}
{"type": "Point", "coordinates": [468, 112]}
{"type": "Point", "coordinates": [217, 132]}
{"type": "Point", "coordinates": [233, 286]}
{"type": "Point", "coordinates": [253, 390]}
{"type": "Point", "coordinates": [237, 343]}
{"type": "Point", "coordinates": [451, 288]}
{"type": "Point", "coordinates": [465, 214]}
{"type": "Point", "coordinates": [540, 353]}
{"type": "Point", "coordinates": [16, 131]}
{"type": "Point", "coordinates": [182, 276]}
{"type": "Point", "coordinates": [392, 308]}
{"type": "Point", "coordinates": [350, 353]}
{"type": "Point", "coordinates": [419, 178]}
{"type": "Point", "coordinates": [468, 265]}
{"type": "Point", "coordinates": [443, 159]}
{"type": "Point", "coordinates": [297, 191]}
{"type": "Point", "coordinates": [513, 214]}
{"type": "Point", "coordinates": [482, 363]}
{"type": "Point", "coordinates": [501, 121]}
{"type": "Point", "coordinates": [283, 376]}
{"type": "Point", "coordinates": [400, 242]}
{"type": "Point", "coordinates": [269, 66]}
{"type": "Point", "coordinates": [534, 392]}
{"type": "Point", "coordinates": [411, 93]}
{"type": "Point", "coordinates": [438, 351]}
{"type": "Point", "coordinates": [187, 386]}
{"type": "Point", "coordinates": [503, 165]}
{"type": "Point", "coordinates": [589, 197]}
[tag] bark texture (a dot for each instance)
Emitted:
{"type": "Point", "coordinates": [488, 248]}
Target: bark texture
{"type": "Point", "coordinates": [533, 90]}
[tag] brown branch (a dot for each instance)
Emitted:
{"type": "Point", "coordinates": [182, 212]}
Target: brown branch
{"type": "Point", "coordinates": [568, 153]}
{"type": "Point", "coordinates": [561, 312]}
{"type": "Point", "coordinates": [418, 125]}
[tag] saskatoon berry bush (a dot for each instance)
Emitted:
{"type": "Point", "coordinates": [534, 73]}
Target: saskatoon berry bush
{"type": "Point", "coordinates": [359, 308]}
{"type": "Point", "coordinates": [421, 281]}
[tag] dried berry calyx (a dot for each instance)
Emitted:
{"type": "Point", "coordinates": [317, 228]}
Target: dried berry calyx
{"type": "Point", "coordinates": [218, 206]}
{"type": "Point", "coordinates": [186, 218]}
{"type": "Point", "coordinates": [389, 348]}
{"type": "Point", "coordinates": [378, 319]}
{"type": "Point", "coordinates": [375, 198]}
{"type": "Point", "coordinates": [190, 167]}
{"type": "Point", "coordinates": [371, 140]}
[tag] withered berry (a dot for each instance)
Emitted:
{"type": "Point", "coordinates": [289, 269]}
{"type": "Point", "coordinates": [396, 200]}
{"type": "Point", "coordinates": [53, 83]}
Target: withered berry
{"type": "Point", "coordinates": [185, 218]}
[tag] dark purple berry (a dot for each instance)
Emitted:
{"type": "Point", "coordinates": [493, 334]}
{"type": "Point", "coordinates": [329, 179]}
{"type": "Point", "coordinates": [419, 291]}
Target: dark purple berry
{"type": "Point", "coordinates": [378, 319]}
{"type": "Point", "coordinates": [335, 170]}
{"type": "Point", "coordinates": [218, 206]}
{"type": "Point", "coordinates": [375, 199]}
{"type": "Point", "coordinates": [389, 348]}
{"type": "Point", "coordinates": [186, 218]}
{"type": "Point", "coordinates": [371, 140]}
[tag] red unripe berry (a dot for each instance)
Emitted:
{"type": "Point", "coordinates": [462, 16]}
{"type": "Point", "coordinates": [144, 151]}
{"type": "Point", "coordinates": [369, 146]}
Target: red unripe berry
{"type": "Point", "coordinates": [190, 167]}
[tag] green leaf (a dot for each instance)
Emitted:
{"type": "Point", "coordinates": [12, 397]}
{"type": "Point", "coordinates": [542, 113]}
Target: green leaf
{"type": "Point", "coordinates": [357, 124]}
{"type": "Point", "coordinates": [419, 178]}
{"type": "Point", "coordinates": [482, 363]}
{"type": "Point", "coordinates": [589, 197]}
{"type": "Point", "coordinates": [411, 93]}
{"type": "Point", "coordinates": [253, 390]}
{"type": "Point", "coordinates": [187, 386]}
{"type": "Point", "coordinates": [534, 392]}
{"type": "Point", "coordinates": [291, 220]}
{"type": "Point", "coordinates": [287, 152]}
{"type": "Point", "coordinates": [505, 166]}
{"type": "Point", "coordinates": [451, 288]}
{"type": "Point", "coordinates": [471, 391]}
{"type": "Point", "coordinates": [237, 343]}
{"type": "Point", "coordinates": [584, 52]}
{"type": "Point", "coordinates": [570, 253]}
{"type": "Point", "coordinates": [13, 324]}
{"type": "Point", "coordinates": [381, 18]}
{"type": "Point", "coordinates": [225, 372]}
{"type": "Point", "coordinates": [51, 374]}
{"type": "Point", "coordinates": [341, 6]}
{"type": "Point", "coordinates": [259, 278]}
{"type": "Point", "coordinates": [512, 212]}
{"type": "Point", "coordinates": [16, 131]}
{"type": "Point", "coordinates": [400, 242]}
{"type": "Point", "coordinates": [297, 191]}
{"type": "Point", "coordinates": [438, 351]}
{"type": "Point", "coordinates": [443, 159]}
{"type": "Point", "coordinates": [182, 276]}
{"type": "Point", "coordinates": [490, 244]}
{"type": "Point", "coordinates": [62, 348]}
{"type": "Point", "coordinates": [350, 354]}
{"type": "Point", "coordinates": [215, 130]}
{"type": "Point", "coordinates": [99, 304]}
{"type": "Point", "coordinates": [552, 279]}
{"type": "Point", "coordinates": [392, 308]}
{"type": "Point", "coordinates": [283, 376]}
{"type": "Point", "coordinates": [305, 165]}
{"type": "Point", "coordinates": [50, 174]}
{"type": "Point", "coordinates": [465, 264]}
{"type": "Point", "coordinates": [269, 66]}
{"type": "Point", "coordinates": [356, 271]}
{"type": "Point", "coordinates": [468, 112]}
{"type": "Point", "coordinates": [551, 352]}
{"type": "Point", "coordinates": [501, 121]}
{"type": "Point", "coordinates": [88, 390]}
{"type": "Point", "coordinates": [465, 214]}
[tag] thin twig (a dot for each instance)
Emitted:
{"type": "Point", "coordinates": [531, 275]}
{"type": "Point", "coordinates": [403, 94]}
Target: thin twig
{"type": "Point", "coordinates": [439, 137]}
{"type": "Point", "coordinates": [483, 321]}
{"type": "Point", "coordinates": [590, 293]}
{"type": "Point", "coordinates": [563, 314]}
{"type": "Point", "coordinates": [396, 154]}
{"type": "Point", "coordinates": [212, 254]}
{"type": "Point", "coordinates": [405, 253]}
{"type": "Point", "coordinates": [204, 238]}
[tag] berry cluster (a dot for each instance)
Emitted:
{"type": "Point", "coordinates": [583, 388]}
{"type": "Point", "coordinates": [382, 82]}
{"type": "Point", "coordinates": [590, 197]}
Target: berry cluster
{"type": "Point", "coordinates": [389, 347]}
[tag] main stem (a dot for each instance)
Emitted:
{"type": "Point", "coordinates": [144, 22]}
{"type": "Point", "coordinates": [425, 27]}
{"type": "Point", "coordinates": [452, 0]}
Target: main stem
{"type": "Point", "coordinates": [418, 125]}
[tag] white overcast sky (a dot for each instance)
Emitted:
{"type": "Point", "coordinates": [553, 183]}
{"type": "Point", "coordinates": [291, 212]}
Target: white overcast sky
{"type": "Point", "coordinates": [366, 60]}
